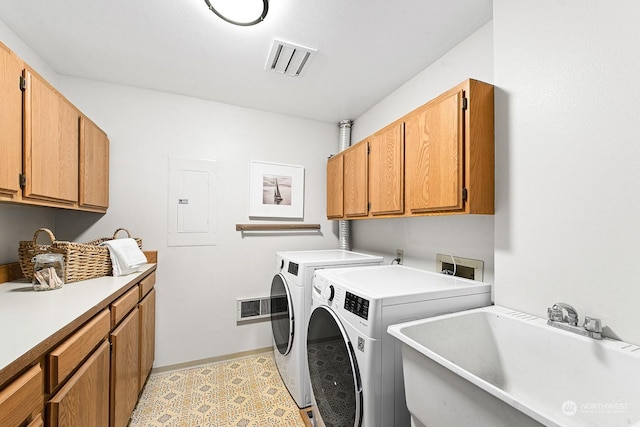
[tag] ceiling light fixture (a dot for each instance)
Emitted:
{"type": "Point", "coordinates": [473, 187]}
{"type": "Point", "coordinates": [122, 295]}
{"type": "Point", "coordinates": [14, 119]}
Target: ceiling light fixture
{"type": "Point", "coordinates": [240, 12]}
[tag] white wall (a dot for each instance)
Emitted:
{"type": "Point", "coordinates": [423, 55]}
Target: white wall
{"type": "Point", "coordinates": [20, 223]}
{"type": "Point", "coordinates": [10, 39]}
{"type": "Point", "coordinates": [568, 165]}
{"type": "Point", "coordinates": [422, 238]}
{"type": "Point", "coordinates": [198, 286]}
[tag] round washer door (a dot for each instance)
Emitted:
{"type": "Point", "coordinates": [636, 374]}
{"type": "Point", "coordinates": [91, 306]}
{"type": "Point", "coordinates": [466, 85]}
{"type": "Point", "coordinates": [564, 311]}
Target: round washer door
{"type": "Point", "coordinates": [335, 378]}
{"type": "Point", "coordinates": [282, 321]}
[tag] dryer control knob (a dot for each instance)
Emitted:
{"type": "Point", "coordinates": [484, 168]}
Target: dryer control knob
{"type": "Point", "coordinates": [328, 293]}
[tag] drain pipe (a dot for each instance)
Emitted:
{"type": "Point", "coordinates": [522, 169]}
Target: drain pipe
{"type": "Point", "coordinates": [344, 226]}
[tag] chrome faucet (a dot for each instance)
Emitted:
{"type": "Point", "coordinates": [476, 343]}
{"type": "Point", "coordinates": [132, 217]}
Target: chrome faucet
{"type": "Point", "coordinates": [592, 327]}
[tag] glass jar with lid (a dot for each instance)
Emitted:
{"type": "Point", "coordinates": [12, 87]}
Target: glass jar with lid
{"type": "Point", "coordinates": [48, 272]}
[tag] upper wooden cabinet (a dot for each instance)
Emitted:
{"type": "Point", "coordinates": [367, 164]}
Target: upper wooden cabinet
{"type": "Point", "coordinates": [367, 178]}
{"type": "Point", "coordinates": [51, 143]}
{"type": "Point", "coordinates": [449, 145]}
{"type": "Point", "coordinates": [433, 144]}
{"type": "Point", "coordinates": [10, 124]}
{"type": "Point", "coordinates": [335, 189]}
{"type": "Point", "coordinates": [436, 160]}
{"type": "Point", "coordinates": [94, 165]}
{"type": "Point", "coordinates": [52, 155]}
{"type": "Point", "coordinates": [356, 169]}
{"type": "Point", "coordinates": [386, 163]}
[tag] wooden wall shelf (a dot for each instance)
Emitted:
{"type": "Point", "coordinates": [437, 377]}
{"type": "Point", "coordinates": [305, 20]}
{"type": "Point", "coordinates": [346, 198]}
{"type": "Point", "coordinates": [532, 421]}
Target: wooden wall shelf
{"type": "Point", "coordinates": [276, 227]}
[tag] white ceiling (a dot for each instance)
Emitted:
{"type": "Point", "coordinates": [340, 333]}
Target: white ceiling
{"type": "Point", "coordinates": [366, 48]}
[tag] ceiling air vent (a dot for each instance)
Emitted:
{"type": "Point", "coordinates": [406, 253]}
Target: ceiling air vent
{"type": "Point", "coordinates": [289, 58]}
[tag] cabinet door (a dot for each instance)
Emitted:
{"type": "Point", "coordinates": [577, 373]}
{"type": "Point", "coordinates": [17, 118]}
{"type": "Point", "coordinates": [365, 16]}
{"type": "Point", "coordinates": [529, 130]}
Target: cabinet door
{"type": "Point", "coordinates": [356, 172]}
{"type": "Point", "coordinates": [51, 137]}
{"type": "Point", "coordinates": [124, 369]}
{"type": "Point", "coordinates": [386, 171]}
{"type": "Point", "coordinates": [67, 356]}
{"type": "Point", "coordinates": [23, 399]}
{"type": "Point", "coordinates": [10, 123]}
{"type": "Point", "coordinates": [94, 165]}
{"type": "Point", "coordinates": [147, 335]}
{"type": "Point", "coordinates": [37, 422]}
{"type": "Point", "coordinates": [84, 399]}
{"type": "Point", "coordinates": [335, 189]}
{"type": "Point", "coordinates": [434, 155]}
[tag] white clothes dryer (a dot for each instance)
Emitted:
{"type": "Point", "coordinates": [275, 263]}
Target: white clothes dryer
{"type": "Point", "coordinates": [290, 308]}
{"type": "Point", "coordinates": [355, 366]}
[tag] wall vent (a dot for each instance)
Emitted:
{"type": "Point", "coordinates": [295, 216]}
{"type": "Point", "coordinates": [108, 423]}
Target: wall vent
{"type": "Point", "coordinates": [289, 58]}
{"type": "Point", "coordinates": [253, 309]}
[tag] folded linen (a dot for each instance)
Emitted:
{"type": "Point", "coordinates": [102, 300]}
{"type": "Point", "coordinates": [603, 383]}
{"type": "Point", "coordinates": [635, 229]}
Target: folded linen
{"type": "Point", "coordinates": [125, 256]}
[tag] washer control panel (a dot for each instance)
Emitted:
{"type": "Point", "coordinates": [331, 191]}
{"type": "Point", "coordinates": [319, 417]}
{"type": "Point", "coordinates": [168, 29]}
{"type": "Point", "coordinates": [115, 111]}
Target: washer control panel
{"type": "Point", "coordinates": [293, 268]}
{"type": "Point", "coordinates": [356, 305]}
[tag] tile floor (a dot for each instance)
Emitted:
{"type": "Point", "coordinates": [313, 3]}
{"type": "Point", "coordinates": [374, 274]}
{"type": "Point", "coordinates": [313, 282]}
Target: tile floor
{"type": "Point", "coordinates": [245, 392]}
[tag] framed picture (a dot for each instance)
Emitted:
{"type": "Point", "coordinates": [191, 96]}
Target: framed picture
{"type": "Point", "coordinates": [276, 191]}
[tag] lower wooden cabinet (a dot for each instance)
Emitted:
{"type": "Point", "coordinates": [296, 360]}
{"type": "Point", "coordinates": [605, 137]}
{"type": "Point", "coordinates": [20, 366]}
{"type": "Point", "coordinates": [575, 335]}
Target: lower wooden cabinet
{"type": "Point", "coordinates": [95, 374]}
{"type": "Point", "coordinates": [37, 422]}
{"type": "Point", "coordinates": [147, 310]}
{"type": "Point", "coordinates": [125, 373]}
{"type": "Point", "coordinates": [66, 358]}
{"type": "Point", "coordinates": [84, 399]}
{"type": "Point", "coordinates": [21, 402]}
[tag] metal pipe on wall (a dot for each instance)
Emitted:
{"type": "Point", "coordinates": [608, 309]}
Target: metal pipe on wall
{"type": "Point", "coordinates": [344, 226]}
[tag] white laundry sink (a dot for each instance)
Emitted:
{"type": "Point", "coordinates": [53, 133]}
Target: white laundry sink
{"type": "Point", "coordinates": [497, 367]}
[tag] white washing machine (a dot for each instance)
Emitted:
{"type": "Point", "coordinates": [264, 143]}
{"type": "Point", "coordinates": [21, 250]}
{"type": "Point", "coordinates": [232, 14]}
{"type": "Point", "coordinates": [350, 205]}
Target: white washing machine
{"type": "Point", "coordinates": [355, 365]}
{"type": "Point", "coordinates": [290, 308]}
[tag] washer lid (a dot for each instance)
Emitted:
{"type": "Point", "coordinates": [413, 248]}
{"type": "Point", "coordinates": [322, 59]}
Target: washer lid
{"type": "Point", "coordinates": [397, 284]}
{"type": "Point", "coordinates": [329, 257]}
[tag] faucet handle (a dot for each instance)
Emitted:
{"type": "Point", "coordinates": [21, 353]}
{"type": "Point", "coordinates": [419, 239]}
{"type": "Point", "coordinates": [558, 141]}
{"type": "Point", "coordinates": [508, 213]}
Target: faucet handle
{"type": "Point", "coordinates": [555, 313]}
{"type": "Point", "coordinates": [592, 324]}
{"type": "Point", "coordinates": [572, 318]}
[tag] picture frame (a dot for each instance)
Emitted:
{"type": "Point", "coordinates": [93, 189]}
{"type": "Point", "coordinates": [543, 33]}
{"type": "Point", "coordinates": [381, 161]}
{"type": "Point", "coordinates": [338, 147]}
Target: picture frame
{"type": "Point", "coordinates": [276, 190]}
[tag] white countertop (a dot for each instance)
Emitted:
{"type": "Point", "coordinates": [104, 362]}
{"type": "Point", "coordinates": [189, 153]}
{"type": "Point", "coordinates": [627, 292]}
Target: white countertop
{"type": "Point", "coordinates": [27, 317]}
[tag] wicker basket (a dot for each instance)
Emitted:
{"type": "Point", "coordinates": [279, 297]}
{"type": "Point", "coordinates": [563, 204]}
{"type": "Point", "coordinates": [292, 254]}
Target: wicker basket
{"type": "Point", "coordinates": [82, 261]}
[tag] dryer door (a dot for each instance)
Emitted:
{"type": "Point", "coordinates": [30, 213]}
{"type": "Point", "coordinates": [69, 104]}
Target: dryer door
{"type": "Point", "coordinates": [282, 320]}
{"type": "Point", "coordinates": [335, 378]}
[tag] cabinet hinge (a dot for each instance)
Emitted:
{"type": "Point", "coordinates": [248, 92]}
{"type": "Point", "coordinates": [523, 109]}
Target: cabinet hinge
{"type": "Point", "coordinates": [368, 206]}
{"type": "Point", "coordinates": [23, 180]}
{"type": "Point", "coordinates": [23, 83]}
{"type": "Point", "coordinates": [368, 149]}
{"type": "Point", "coordinates": [465, 103]}
{"type": "Point", "coordinates": [464, 195]}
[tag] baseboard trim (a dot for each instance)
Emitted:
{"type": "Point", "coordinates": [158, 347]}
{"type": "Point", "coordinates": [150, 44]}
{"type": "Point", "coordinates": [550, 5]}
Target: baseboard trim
{"type": "Point", "coordinates": [195, 363]}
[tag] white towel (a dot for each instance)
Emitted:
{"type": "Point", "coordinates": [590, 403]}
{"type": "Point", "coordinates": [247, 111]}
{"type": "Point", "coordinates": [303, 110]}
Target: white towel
{"type": "Point", "coordinates": [125, 255]}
